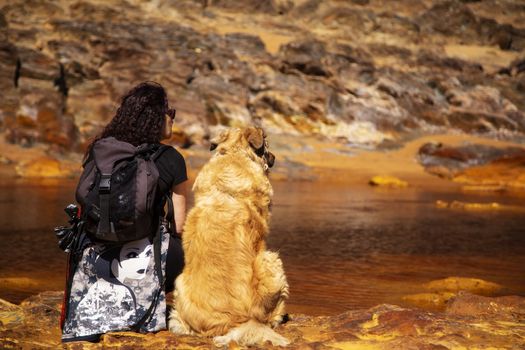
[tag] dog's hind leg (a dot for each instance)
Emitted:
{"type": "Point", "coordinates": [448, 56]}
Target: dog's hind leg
{"type": "Point", "coordinates": [177, 325]}
{"type": "Point", "coordinates": [272, 286]}
{"type": "Point", "coordinates": [278, 314]}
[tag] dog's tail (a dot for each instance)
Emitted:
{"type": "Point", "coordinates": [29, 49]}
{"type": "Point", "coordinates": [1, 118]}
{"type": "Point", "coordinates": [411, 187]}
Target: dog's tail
{"type": "Point", "coordinates": [251, 333]}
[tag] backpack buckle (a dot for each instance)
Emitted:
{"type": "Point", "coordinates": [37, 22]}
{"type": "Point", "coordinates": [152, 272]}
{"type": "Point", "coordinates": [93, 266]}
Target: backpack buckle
{"type": "Point", "coordinates": [105, 183]}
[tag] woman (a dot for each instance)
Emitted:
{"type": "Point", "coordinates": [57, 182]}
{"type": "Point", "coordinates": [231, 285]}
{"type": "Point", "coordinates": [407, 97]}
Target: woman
{"type": "Point", "coordinates": [115, 287]}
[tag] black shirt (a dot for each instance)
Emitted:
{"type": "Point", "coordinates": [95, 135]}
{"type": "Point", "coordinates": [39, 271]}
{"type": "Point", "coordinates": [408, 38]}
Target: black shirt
{"type": "Point", "coordinates": [172, 170]}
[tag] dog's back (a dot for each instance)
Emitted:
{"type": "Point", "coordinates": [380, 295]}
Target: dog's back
{"type": "Point", "coordinates": [220, 287]}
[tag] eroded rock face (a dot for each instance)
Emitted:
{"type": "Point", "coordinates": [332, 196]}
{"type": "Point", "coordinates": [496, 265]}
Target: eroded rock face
{"type": "Point", "coordinates": [470, 321]}
{"type": "Point", "coordinates": [393, 68]}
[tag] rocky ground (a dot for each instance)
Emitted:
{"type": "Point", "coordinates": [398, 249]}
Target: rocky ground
{"type": "Point", "coordinates": [469, 322]}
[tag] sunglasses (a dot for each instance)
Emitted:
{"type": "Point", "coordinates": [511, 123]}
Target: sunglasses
{"type": "Point", "coordinates": [171, 113]}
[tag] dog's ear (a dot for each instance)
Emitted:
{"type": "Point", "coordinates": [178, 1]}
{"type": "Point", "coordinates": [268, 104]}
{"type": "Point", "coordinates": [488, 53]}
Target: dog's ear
{"type": "Point", "coordinates": [255, 137]}
{"type": "Point", "coordinates": [270, 159]}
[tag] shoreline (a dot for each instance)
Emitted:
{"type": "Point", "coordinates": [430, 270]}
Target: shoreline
{"type": "Point", "coordinates": [470, 321]}
{"type": "Point", "coordinates": [297, 159]}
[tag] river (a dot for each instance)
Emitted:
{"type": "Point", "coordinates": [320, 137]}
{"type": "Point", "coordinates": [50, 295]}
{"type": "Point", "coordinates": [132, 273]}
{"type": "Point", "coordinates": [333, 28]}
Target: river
{"type": "Point", "coordinates": [343, 247]}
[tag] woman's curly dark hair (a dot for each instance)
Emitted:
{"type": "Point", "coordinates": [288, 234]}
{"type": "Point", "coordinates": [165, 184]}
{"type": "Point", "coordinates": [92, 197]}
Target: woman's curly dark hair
{"type": "Point", "coordinates": [140, 117]}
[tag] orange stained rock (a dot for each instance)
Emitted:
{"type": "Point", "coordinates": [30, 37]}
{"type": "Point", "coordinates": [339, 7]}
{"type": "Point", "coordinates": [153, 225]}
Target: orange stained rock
{"type": "Point", "coordinates": [507, 173]}
{"type": "Point", "coordinates": [456, 284]}
{"type": "Point", "coordinates": [429, 301]}
{"type": "Point", "coordinates": [470, 321]}
{"type": "Point", "coordinates": [41, 167]}
{"type": "Point", "coordinates": [468, 206]}
{"type": "Point", "coordinates": [387, 181]}
{"type": "Point", "coordinates": [478, 206]}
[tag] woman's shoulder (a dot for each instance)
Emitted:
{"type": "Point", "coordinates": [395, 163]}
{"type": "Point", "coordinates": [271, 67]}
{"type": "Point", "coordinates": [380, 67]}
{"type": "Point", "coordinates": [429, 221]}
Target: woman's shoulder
{"type": "Point", "coordinates": [171, 166]}
{"type": "Point", "coordinates": [169, 149]}
{"type": "Point", "coordinates": [170, 156]}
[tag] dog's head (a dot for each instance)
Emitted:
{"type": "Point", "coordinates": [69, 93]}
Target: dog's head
{"type": "Point", "coordinates": [250, 139]}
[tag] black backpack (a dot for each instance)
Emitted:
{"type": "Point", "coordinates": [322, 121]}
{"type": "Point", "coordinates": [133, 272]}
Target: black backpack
{"type": "Point", "coordinates": [117, 191]}
{"type": "Point", "coordinates": [117, 195]}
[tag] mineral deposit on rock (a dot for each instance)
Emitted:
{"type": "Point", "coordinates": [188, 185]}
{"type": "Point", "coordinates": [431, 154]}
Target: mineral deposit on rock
{"type": "Point", "coordinates": [470, 321]}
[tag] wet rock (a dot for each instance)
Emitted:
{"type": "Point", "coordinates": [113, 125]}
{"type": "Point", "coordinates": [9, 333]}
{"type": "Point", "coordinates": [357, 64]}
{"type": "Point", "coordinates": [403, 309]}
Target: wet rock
{"type": "Point", "coordinates": [462, 157]}
{"type": "Point", "coordinates": [457, 284]}
{"type": "Point", "coordinates": [32, 324]}
{"type": "Point", "coordinates": [470, 321]}
{"type": "Point", "coordinates": [478, 167]}
{"type": "Point", "coordinates": [502, 174]}
{"type": "Point", "coordinates": [509, 308]}
{"type": "Point", "coordinates": [440, 294]}
{"type": "Point", "coordinates": [387, 181]}
{"type": "Point", "coordinates": [435, 301]}
{"type": "Point", "coordinates": [468, 206]}
{"type": "Point", "coordinates": [46, 167]}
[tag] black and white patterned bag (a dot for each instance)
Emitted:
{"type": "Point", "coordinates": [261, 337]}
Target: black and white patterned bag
{"type": "Point", "coordinates": [116, 287]}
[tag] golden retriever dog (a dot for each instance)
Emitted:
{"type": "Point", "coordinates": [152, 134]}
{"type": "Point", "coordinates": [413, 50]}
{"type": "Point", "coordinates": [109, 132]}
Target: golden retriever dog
{"type": "Point", "coordinates": [231, 287]}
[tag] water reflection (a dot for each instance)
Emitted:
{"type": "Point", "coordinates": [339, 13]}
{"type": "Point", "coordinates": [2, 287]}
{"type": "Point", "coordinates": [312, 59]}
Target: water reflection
{"type": "Point", "coordinates": [352, 247]}
{"type": "Point", "coordinates": [343, 247]}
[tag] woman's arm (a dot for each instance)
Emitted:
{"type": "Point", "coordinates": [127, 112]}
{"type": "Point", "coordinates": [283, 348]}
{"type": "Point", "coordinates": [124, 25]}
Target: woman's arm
{"type": "Point", "coordinates": [179, 205]}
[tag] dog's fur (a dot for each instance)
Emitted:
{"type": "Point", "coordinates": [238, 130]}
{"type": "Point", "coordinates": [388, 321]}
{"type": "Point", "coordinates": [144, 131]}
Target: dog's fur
{"type": "Point", "coordinates": [231, 287]}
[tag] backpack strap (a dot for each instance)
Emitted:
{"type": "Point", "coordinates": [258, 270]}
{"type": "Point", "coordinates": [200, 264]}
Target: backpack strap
{"type": "Point", "coordinates": [158, 152]}
{"type": "Point", "coordinates": [170, 216]}
{"type": "Point", "coordinates": [105, 227]}
{"type": "Point", "coordinates": [157, 251]}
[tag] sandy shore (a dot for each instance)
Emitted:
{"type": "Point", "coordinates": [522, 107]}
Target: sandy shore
{"type": "Point", "coordinates": [343, 163]}
{"type": "Point", "coordinates": [297, 159]}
